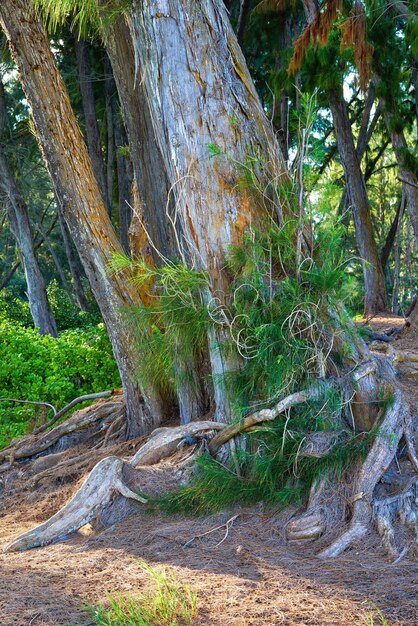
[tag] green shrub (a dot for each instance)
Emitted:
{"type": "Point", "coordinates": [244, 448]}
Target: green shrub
{"type": "Point", "coordinates": [67, 315]}
{"type": "Point", "coordinates": [41, 368]}
{"type": "Point", "coordinates": [271, 467]}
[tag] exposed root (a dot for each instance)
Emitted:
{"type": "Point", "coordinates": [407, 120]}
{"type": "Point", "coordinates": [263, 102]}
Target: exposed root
{"type": "Point", "coordinates": [59, 414]}
{"type": "Point", "coordinates": [96, 496]}
{"type": "Point", "coordinates": [164, 441]}
{"type": "Point", "coordinates": [377, 461]}
{"type": "Point", "coordinates": [104, 481]}
{"type": "Point", "coordinates": [265, 415]}
{"type": "Point", "coordinates": [81, 420]}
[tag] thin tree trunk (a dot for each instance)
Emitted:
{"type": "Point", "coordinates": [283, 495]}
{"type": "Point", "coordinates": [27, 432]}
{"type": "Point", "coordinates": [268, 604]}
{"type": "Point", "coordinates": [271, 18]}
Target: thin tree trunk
{"type": "Point", "coordinates": [21, 228]}
{"type": "Point", "coordinates": [391, 236]}
{"type": "Point", "coordinates": [57, 263]}
{"type": "Point", "coordinates": [37, 244]}
{"type": "Point", "coordinates": [124, 178]}
{"type": "Point", "coordinates": [244, 12]}
{"type": "Point", "coordinates": [82, 205]}
{"type": "Point", "coordinates": [408, 175]}
{"type": "Point", "coordinates": [374, 281]}
{"type": "Point", "coordinates": [397, 257]}
{"type": "Point", "coordinates": [90, 116]}
{"type": "Point", "coordinates": [72, 263]}
{"type": "Point", "coordinates": [180, 58]}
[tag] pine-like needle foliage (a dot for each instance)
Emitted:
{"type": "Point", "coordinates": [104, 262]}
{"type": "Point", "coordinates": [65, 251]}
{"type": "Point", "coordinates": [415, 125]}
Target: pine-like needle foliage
{"type": "Point", "coordinates": [90, 17]}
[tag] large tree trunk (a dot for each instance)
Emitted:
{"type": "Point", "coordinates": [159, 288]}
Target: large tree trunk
{"type": "Point", "coordinates": [374, 280]}
{"type": "Point", "coordinates": [155, 232]}
{"type": "Point", "coordinates": [201, 98]}
{"type": "Point", "coordinates": [82, 206]}
{"type": "Point", "coordinates": [153, 183]}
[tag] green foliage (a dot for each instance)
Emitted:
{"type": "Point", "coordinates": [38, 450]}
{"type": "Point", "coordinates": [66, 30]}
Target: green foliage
{"type": "Point", "coordinates": [170, 329]}
{"type": "Point", "coordinates": [67, 315]}
{"type": "Point", "coordinates": [172, 603]}
{"type": "Point", "coordinates": [39, 368]}
{"type": "Point", "coordinates": [271, 467]}
{"type": "Point", "coordinates": [279, 317]}
{"type": "Point", "coordinates": [89, 16]}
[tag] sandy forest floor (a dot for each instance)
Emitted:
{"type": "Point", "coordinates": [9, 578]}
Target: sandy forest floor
{"type": "Point", "coordinates": [252, 578]}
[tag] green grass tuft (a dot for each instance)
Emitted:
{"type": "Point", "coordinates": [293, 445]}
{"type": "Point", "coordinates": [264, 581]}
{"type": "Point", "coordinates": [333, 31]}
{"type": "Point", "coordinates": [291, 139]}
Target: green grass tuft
{"type": "Point", "coordinates": [170, 604]}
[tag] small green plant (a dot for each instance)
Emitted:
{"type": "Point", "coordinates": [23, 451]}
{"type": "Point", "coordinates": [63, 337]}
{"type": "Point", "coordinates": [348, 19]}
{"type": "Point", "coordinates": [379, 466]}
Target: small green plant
{"type": "Point", "coordinates": [377, 613]}
{"type": "Point", "coordinates": [171, 603]}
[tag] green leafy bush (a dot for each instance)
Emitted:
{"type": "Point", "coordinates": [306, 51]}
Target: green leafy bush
{"type": "Point", "coordinates": [33, 367]}
{"type": "Point", "coordinates": [67, 315]}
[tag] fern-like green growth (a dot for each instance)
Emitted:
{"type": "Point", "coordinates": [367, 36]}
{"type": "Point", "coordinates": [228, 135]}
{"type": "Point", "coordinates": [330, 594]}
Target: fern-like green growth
{"type": "Point", "coordinates": [90, 17]}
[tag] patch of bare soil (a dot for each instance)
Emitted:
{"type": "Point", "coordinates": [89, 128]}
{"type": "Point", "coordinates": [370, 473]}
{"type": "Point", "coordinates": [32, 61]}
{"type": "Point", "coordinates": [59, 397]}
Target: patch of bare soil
{"type": "Point", "coordinates": [243, 572]}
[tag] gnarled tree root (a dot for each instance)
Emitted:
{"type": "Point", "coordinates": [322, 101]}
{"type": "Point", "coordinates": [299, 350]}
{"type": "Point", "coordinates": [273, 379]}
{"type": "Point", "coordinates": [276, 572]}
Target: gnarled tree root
{"type": "Point", "coordinates": [377, 461]}
{"type": "Point", "coordinates": [103, 483]}
{"type": "Point", "coordinates": [84, 419]}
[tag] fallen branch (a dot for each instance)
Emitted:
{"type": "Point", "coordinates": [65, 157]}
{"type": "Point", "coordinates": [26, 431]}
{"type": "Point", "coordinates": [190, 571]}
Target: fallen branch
{"type": "Point", "coordinates": [51, 406]}
{"type": "Point", "coordinates": [265, 415]}
{"type": "Point", "coordinates": [35, 444]}
{"type": "Point", "coordinates": [71, 405]}
{"type": "Point", "coordinates": [227, 525]}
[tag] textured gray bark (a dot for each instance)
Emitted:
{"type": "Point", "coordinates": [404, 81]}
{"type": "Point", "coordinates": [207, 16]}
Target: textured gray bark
{"type": "Point", "coordinates": [149, 169]}
{"type": "Point", "coordinates": [73, 263]}
{"type": "Point", "coordinates": [156, 203]}
{"type": "Point", "coordinates": [21, 228]}
{"type": "Point", "coordinates": [90, 116]}
{"type": "Point", "coordinates": [199, 93]}
{"type": "Point", "coordinates": [81, 202]}
{"type": "Point", "coordinates": [409, 177]}
{"type": "Point", "coordinates": [374, 282]}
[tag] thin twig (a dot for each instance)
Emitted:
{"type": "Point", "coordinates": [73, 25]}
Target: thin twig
{"type": "Point", "coordinates": [227, 524]}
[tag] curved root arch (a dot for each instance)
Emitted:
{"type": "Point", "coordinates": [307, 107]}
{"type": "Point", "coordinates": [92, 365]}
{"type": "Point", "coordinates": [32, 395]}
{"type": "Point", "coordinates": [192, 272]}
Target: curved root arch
{"type": "Point", "coordinates": [108, 479]}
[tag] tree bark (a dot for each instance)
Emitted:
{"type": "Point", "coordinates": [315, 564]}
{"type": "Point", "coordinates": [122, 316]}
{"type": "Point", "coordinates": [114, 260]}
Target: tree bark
{"type": "Point", "coordinates": [200, 96]}
{"type": "Point", "coordinates": [73, 263]}
{"type": "Point", "coordinates": [21, 228]}
{"type": "Point", "coordinates": [82, 205]}
{"type": "Point", "coordinates": [374, 281]}
{"type": "Point", "coordinates": [152, 181]}
{"type": "Point", "coordinates": [90, 116]}
{"type": "Point", "coordinates": [408, 175]}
